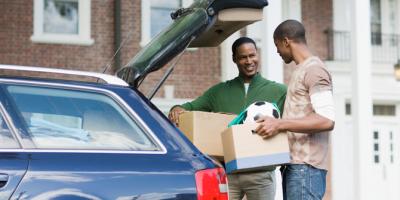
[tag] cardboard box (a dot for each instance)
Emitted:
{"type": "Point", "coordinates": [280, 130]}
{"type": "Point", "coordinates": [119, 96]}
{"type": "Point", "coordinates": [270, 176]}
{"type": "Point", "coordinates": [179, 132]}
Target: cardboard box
{"type": "Point", "coordinates": [204, 130]}
{"type": "Point", "coordinates": [247, 151]}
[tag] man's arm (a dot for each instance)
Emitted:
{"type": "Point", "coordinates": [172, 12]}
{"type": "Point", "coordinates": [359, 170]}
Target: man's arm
{"type": "Point", "coordinates": [321, 120]}
{"type": "Point", "coordinates": [202, 103]}
{"type": "Point", "coordinates": [312, 123]}
{"type": "Point", "coordinates": [319, 84]}
{"type": "Point", "coordinates": [174, 113]}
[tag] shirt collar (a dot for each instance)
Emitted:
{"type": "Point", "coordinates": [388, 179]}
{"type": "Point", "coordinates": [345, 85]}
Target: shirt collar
{"type": "Point", "coordinates": [255, 78]}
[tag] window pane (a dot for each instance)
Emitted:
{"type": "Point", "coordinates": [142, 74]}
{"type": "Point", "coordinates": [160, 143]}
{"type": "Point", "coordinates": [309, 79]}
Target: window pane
{"type": "Point", "coordinates": [376, 22]}
{"type": "Point", "coordinates": [376, 135]}
{"type": "Point", "coordinates": [66, 119]}
{"type": "Point", "coordinates": [348, 109]}
{"type": "Point", "coordinates": [6, 138]}
{"type": "Point", "coordinates": [160, 14]}
{"type": "Point", "coordinates": [376, 147]}
{"type": "Point", "coordinates": [375, 11]}
{"type": "Point", "coordinates": [376, 158]}
{"type": "Point", "coordinates": [384, 110]}
{"type": "Point", "coordinates": [60, 17]}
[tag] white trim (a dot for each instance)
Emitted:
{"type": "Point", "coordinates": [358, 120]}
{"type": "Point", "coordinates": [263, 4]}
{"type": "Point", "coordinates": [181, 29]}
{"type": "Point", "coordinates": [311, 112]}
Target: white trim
{"type": "Point", "coordinates": [145, 34]}
{"type": "Point", "coordinates": [105, 77]}
{"type": "Point", "coordinates": [61, 39]}
{"type": "Point", "coordinates": [81, 151]}
{"type": "Point", "coordinates": [82, 38]}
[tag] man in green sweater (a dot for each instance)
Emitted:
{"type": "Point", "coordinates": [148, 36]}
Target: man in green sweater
{"type": "Point", "coordinates": [233, 96]}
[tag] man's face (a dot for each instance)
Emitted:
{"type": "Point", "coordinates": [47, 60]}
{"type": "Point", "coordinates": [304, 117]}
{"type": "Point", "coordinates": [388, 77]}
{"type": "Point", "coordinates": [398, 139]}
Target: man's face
{"type": "Point", "coordinates": [282, 47]}
{"type": "Point", "coordinates": [246, 59]}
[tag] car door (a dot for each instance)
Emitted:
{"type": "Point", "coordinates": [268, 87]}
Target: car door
{"type": "Point", "coordinates": [13, 161]}
{"type": "Point", "coordinates": [86, 143]}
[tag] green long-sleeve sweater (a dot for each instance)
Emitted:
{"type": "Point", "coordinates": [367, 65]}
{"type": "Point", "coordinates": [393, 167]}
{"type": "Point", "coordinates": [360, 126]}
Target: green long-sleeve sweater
{"type": "Point", "coordinates": [230, 96]}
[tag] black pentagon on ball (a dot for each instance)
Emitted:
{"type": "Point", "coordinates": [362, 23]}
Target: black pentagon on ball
{"type": "Point", "coordinates": [259, 103]}
{"type": "Point", "coordinates": [275, 113]}
{"type": "Point", "coordinates": [257, 116]}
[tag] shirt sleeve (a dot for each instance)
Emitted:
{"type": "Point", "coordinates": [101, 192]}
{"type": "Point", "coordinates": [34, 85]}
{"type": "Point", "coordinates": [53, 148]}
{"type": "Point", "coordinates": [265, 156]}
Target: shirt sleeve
{"type": "Point", "coordinates": [317, 79]}
{"type": "Point", "coordinates": [201, 103]}
{"type": "Point", "coordinates": [280, 90]}
{"type": "Point", "coordinates": [322, 103]}
{"type": "Point", "coordinates": [281, 103]}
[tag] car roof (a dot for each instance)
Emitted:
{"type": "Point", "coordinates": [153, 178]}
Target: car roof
{"type": "Point", "coordinates": [59, 75]}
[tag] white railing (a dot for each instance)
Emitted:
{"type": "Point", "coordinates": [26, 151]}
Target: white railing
{"type": "Point", "coordinates": [385, 47]}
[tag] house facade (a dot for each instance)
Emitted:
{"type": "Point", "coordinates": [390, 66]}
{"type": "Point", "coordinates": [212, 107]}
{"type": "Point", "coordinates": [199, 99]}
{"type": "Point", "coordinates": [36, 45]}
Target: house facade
{"type": "Point", "coordinates": [91, 32]}
{"type": "Point", "coordinates": [358, 40]}
{"type": "Point", "coordinates": [364, 47]}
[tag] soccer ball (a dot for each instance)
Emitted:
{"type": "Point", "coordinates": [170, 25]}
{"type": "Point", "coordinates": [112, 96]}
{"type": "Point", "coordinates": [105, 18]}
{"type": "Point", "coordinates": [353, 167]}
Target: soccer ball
{"type": "Point", "coordinates": [259, 109]}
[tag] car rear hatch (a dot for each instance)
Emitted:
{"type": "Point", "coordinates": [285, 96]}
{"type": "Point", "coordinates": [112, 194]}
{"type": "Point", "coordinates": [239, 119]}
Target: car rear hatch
{"type": "Point", "coordinates": [206, 23]}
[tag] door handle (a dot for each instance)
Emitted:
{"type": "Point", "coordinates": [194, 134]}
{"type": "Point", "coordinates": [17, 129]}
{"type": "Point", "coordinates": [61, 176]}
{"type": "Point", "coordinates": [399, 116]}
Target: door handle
{"type": "Point", "coordinates": [3, 180]}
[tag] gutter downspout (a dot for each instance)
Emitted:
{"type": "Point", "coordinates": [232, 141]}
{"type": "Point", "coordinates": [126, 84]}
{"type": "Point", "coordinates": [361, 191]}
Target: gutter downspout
{"type": "Point", "coordinates": [117, 34]}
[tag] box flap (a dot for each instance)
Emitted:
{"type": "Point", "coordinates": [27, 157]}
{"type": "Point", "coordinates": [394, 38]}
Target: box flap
{"type": "Point", "coordinates": [187, 125]}
{"type": "Point", "coordinates": [204, 129]}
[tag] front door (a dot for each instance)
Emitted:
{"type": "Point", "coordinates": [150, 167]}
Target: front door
{"type": "Point", "coordinates": [386, 165]}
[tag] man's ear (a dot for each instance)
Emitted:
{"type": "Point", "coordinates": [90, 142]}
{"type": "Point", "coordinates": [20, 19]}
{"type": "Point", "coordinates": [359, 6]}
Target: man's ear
{"type": "Point", "coordinates": [286, 41]}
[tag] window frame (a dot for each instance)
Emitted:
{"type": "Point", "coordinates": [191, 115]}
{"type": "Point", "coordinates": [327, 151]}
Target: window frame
{"type": "Point", "coordinates": [6, 118]}
{"type": "Point", "coordinates": [30, 146]}
{"type": "Point", "coordinates": [84, 27]}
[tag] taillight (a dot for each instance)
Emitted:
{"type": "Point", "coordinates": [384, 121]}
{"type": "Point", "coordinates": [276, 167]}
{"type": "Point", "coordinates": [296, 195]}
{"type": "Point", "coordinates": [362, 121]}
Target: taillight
{"type": "Point", "coordinates": [212, 184]}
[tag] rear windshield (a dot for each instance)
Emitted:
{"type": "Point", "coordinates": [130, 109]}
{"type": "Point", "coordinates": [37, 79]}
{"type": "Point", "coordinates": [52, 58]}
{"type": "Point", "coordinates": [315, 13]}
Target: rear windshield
{"type": "Point", "coordinates": [72, 119]}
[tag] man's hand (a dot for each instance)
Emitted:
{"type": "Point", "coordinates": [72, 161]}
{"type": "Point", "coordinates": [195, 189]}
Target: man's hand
{"type": "Point", "coordinates": [267, 127]}
{"type": "Point", "coordinates": [174, 113]}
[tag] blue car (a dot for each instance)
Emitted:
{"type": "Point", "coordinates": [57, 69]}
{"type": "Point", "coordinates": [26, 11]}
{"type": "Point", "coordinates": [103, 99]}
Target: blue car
{"type": "Point", "coordinates": [101, 138]}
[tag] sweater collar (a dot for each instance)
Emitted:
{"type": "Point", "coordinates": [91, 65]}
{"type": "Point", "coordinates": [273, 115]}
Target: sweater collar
{"type": "Point", "coordinates": [255, 79]}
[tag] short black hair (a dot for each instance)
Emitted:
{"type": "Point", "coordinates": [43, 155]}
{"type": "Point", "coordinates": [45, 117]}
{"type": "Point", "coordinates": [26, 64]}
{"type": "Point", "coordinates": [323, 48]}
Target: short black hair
{"type": "Point", "coordinates": [241, 41]}
{"type": "Point", "coordinates": [292, 29]}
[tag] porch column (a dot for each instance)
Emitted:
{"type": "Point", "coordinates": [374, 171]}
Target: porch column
{"type": "Point", "coordinates": [291, 9]}
{"type": "Point", "coordinates": [342, 185]}
{"type": "Point", "coordinates": [361, 102]}
{"type": "Point", "coordinates": [271, 62]}
{"type": "Point", "coordinates": [228, 67]}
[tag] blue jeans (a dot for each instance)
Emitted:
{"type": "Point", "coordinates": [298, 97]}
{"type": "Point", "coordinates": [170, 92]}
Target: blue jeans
{"type": "Point", "coordinates": [303, 182]}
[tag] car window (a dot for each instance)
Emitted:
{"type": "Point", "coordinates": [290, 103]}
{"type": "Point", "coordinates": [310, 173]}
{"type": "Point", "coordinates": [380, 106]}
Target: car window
{"type": "Point", "coordinates": [70, 119]}
{"type": "Point", "coordinates": [7, 141]}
